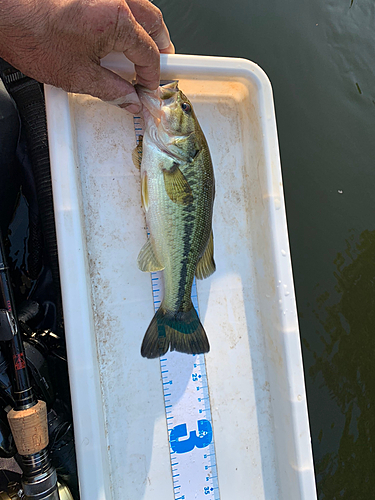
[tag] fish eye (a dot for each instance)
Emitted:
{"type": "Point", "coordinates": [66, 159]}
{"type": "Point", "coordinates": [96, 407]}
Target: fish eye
{"type": "Point", "coordinates": [185, 106]}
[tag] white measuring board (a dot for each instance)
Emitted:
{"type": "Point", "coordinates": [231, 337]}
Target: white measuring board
{"type": "Point", "coordinates": [187, 410]}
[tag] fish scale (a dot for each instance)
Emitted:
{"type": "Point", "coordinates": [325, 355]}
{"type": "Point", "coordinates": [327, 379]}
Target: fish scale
{"type": "Point", "coordinates": [187, 410]}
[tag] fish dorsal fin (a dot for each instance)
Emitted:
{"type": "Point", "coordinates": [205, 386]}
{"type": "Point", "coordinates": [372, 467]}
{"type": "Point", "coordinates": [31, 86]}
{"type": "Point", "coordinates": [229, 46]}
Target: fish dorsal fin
{"type": "Point", "coordinates": [206, 264]}
{"type": "Point", "coordinates": [147, 260]}
{"type": "Point", "coordinates": [144, 191]}
{"type": "Point", "coordinates": [176, 186]}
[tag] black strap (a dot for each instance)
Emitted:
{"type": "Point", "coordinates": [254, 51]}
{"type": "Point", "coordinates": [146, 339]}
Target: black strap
{"type": "Point", "coordinates": [29, 98]}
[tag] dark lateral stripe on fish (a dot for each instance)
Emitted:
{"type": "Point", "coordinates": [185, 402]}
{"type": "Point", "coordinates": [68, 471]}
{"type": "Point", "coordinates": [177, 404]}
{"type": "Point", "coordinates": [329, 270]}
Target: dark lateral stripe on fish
{"type": "Point", "coordinates": [188, 231]}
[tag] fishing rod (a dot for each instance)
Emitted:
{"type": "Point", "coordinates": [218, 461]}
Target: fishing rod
{"type": "Point", "coordinates": [28, 418]}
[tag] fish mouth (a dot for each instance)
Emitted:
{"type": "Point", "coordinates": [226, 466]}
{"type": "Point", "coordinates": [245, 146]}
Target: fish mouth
{"type": "Point", "coordinates": [168, 90]}
{"type": "Point", "coordinates": [150, 100]}
{"type": "Point", "coordinates": [153, 101]}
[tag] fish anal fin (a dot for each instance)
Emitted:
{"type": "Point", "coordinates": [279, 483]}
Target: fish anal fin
{"type": "Point", "coordinates": [147, 260]}
{"type": "Point", "coordinates": [144, 191]}
{"type": "Point", "coordinates": [137, 153]}
{"type": "Point", "coordinates": [176, 186]}
{"type": "Point", "coordinates": [206, 264]}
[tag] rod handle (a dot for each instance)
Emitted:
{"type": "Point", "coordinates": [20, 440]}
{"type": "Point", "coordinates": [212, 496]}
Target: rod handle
{"type": "Point", "coordinates": [30, 428]}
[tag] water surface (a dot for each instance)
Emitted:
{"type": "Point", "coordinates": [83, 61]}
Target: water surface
{"type": "Point", "coordinates": [320, 58]}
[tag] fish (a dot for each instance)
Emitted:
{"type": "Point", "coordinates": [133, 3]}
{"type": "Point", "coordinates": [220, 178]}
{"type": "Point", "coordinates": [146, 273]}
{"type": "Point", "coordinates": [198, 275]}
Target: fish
{"type": "Point", "coordinates": [177, 192]}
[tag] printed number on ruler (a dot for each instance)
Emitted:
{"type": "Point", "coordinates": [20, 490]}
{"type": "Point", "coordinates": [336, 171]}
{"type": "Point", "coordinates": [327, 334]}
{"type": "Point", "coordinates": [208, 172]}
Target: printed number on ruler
{"type": "Point", "coordinates": [188, 412]}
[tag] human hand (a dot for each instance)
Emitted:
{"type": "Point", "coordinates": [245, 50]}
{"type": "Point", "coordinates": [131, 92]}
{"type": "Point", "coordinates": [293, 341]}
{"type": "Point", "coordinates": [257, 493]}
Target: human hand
{"type": "Point", "coordinates": [61, 42]}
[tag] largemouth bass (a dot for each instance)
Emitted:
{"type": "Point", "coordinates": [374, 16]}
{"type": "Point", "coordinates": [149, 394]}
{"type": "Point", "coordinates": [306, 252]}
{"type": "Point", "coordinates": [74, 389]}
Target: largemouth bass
{"type": "Point", "coordinates": [178, 192]}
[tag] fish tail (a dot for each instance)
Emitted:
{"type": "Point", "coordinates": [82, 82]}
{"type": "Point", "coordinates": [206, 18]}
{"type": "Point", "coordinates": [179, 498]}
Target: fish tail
{"type": "Point", "coordinates": [181, 331]}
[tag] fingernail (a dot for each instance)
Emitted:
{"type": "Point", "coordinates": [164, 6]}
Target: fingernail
{"type": "Point", "coordinates": [168, 50]}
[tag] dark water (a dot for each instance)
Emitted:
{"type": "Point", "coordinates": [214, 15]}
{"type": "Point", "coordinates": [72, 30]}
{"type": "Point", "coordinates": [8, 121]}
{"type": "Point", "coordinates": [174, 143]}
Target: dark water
{"type": "Point", "coordinates": [320, 58]}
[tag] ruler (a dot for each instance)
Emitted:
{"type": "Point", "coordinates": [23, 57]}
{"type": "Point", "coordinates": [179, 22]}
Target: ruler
{"type": "Point", "coordinates": [187, 410]}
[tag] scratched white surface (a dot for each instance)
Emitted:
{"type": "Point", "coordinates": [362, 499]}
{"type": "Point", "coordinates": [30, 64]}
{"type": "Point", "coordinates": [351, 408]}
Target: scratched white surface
{"type": "Point", "coordinates": [254, 367]}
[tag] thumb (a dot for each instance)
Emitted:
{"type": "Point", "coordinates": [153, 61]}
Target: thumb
{"type": "Point", "coordinates": [108, 86]}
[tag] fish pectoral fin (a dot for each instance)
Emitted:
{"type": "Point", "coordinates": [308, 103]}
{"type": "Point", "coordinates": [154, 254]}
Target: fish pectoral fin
{"type": "Point", "coordinates": [176, 186]}
{"type": "Point", "coordinates": [206, 264]}
{"type": "Point", "coordinates": [147, 260]}
{"type": "Point", "coordinates": [137, 153]}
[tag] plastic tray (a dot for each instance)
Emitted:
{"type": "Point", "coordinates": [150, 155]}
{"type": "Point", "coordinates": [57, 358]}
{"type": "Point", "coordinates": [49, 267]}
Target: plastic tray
{"type": "Point", "coordinates": [254, 368]}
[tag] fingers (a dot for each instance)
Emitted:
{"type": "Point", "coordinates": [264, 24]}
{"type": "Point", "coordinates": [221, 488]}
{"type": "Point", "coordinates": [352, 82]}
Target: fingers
{"type": "Point", "coordinates": [139, 32]}
{"type": "Point", "coordinates": [108, 86]}
{"type": "Point", "coordinates": [139, 47]}
{"type": "Point", "coordinates": [151, 20]}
